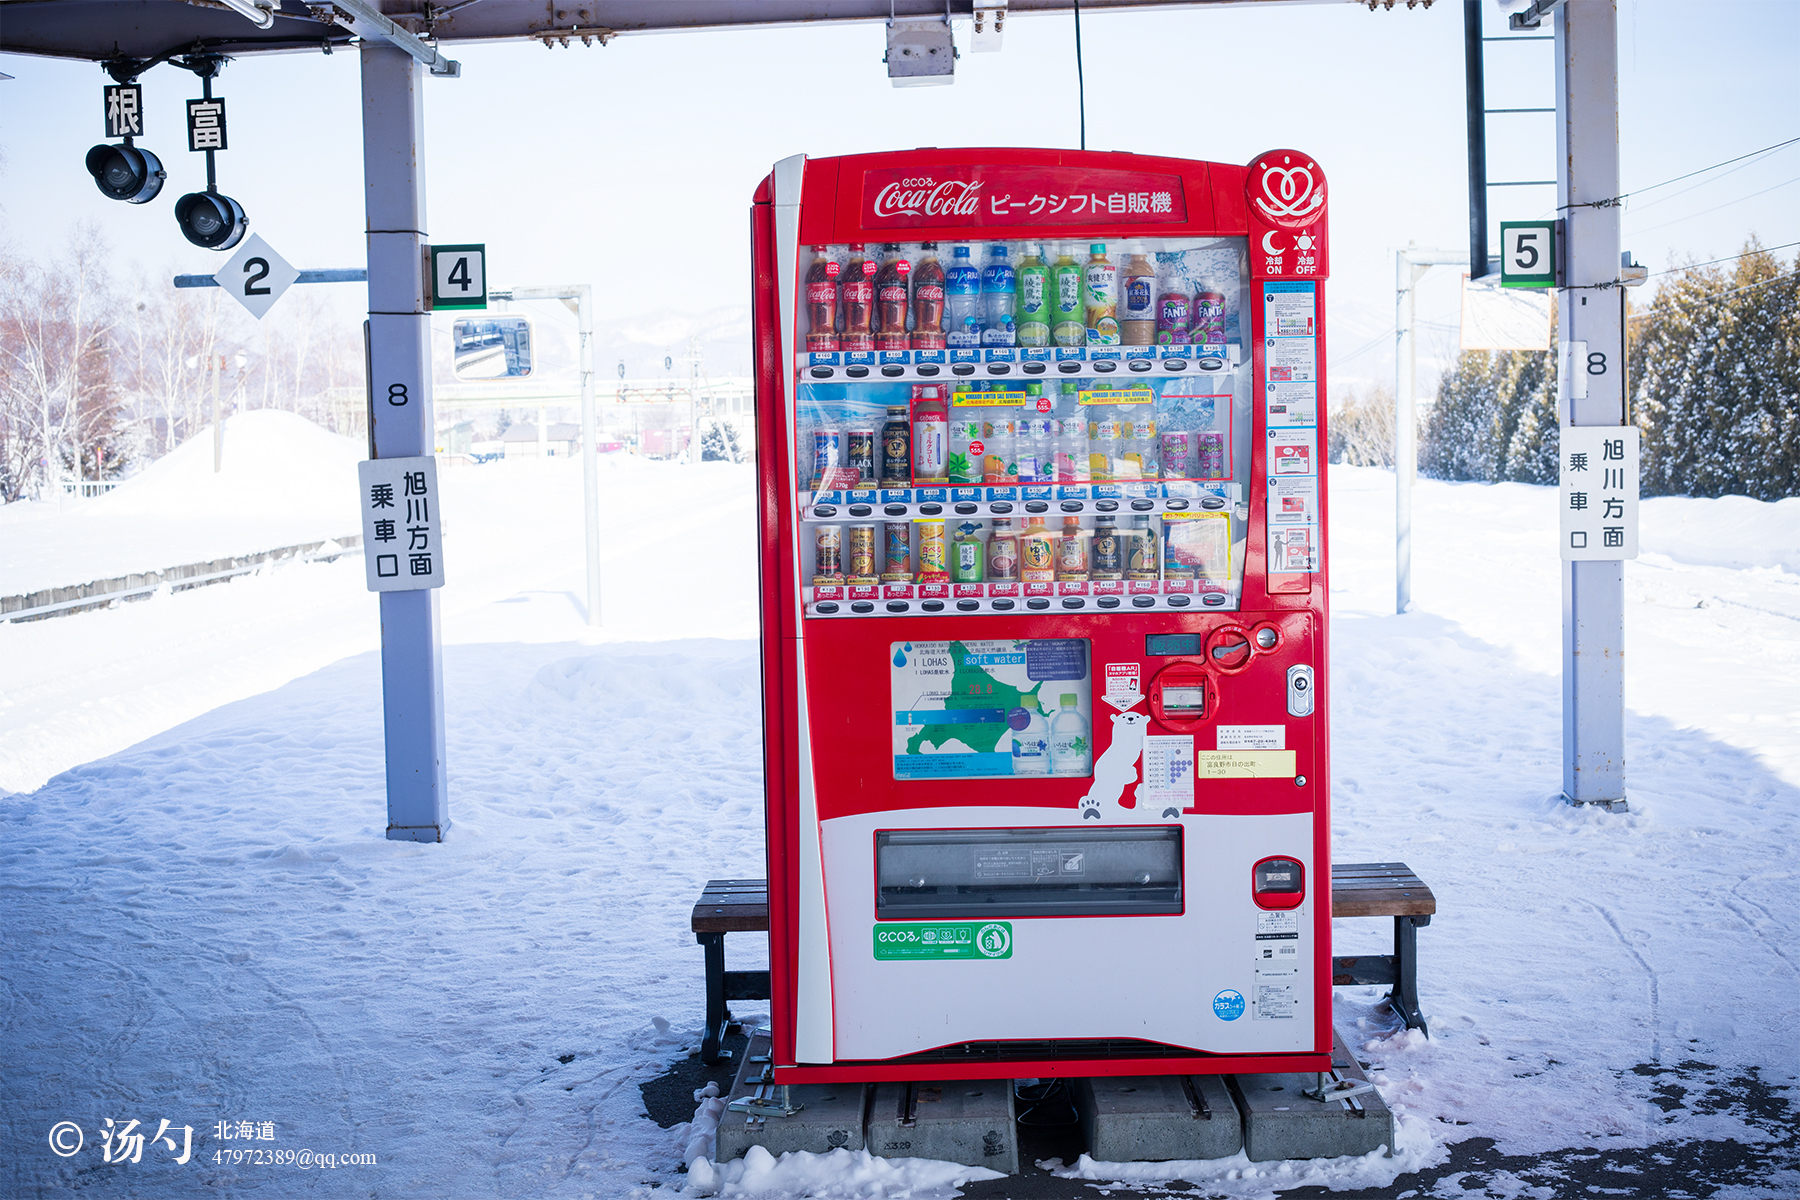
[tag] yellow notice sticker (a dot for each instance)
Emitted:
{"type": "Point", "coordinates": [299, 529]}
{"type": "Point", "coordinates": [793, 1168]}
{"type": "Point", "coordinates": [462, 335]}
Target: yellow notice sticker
{"type": "Point", "coordinates": [1245, 764]}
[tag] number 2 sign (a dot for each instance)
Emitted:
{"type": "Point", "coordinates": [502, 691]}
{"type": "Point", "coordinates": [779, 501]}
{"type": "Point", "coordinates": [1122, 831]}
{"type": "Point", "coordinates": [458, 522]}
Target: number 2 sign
{"type": "Point", "coordinates": [1528, 254]}
{"type": "Point", "coordinates": [459, 277]}
{"type": "Point", "coordinates": [256, 276]}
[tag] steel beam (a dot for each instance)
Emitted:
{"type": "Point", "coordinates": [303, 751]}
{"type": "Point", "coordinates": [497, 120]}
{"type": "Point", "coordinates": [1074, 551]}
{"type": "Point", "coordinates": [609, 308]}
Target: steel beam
{"type": "Point", "coordinates": [1589, 311]}
{"type": "Point", "coordinates": [402, 425]}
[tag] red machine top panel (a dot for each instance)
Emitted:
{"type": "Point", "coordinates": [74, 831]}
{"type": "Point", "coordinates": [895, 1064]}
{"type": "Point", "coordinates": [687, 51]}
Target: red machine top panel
{"type": "Point", "coordinates": [1279, 200]}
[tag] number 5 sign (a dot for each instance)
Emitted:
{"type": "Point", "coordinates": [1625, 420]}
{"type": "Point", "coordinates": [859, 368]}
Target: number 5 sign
{"type": "Point", "coordinates": [256, 276]}
{"type": "Point", "coordinates": [459, 277]}
{"type": "Point", "coordinates": [1528, 254]}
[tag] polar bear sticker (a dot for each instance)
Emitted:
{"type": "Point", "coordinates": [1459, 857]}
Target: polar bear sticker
{"type": "Point", "coordinates": [1118, 767]}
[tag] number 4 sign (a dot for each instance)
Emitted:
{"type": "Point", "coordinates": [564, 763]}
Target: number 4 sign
{"type": "Point", "coordinates": [1528, 254]}
{"type": "Point", "coordinates": [256, 276]}
{"type": "Point", "coordinates": [459, 277]}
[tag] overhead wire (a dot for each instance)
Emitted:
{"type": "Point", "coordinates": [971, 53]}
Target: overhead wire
{"type": "Point", "coordinates": [1715, 208]}
{"type": "Point", "coordinates": [1724, 295]}
{"type": "Point", "coordinates": [1716, 261]}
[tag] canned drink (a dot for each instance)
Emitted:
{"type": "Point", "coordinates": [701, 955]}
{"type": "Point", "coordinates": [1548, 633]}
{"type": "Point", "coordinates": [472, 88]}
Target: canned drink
{"type": "Point", "coordinates": [1212, 455]}
{"type": "Point", "coordinates": [933, 560]}
{"type": "Point", "coordinates": [897, 552]}
{"type": "Point", "coordinates": [828, 446]}
{"type": "Point", "coordinates": [1107, 554]}
{"type": "Point", "coordinates": [859, 455]}
{"type": "Point", "coordinates": [896, 448]}
{"type": "Point", "coordinates": [1174, 455]}
{"type": "Point", "coordinates": [1208, 317]}
{"type": "Point", "coordinates": [862, 553]}
{"type": "Point", "coordinates": [1142, 554]}
{"type": "Point", "coordinates": [828, 554]}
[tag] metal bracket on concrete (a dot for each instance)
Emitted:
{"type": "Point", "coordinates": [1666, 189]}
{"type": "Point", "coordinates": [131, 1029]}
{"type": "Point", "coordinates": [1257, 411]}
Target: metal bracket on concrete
{"type": "Point", "coordinates": [764, 1104]}
{"type": "Point", "coordinates": [1333, 1086]}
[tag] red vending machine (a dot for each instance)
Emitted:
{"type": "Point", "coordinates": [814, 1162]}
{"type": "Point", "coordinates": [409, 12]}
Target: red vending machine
{"type": "Point", "coordinates": [1043, 614]}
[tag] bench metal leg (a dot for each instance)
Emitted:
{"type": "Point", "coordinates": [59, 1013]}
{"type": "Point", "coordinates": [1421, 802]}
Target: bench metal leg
{"type": "Point", "coordinates": [716, 1014]}
{"type": "Point", "coordinates": [1405, 996]}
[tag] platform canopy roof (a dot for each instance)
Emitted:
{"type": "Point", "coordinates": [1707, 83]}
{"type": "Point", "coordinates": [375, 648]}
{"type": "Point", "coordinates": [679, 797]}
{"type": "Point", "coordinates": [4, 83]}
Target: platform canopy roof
{"type": "Point", "coordinates": [133, 35]}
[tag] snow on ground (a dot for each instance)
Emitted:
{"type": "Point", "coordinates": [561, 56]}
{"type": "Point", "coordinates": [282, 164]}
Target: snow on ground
{"type": "Point", "coordinates": [204, 923]}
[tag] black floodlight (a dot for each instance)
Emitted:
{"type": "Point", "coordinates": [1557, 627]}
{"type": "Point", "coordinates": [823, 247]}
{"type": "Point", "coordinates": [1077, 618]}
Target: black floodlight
{"type": "Point", "coordinates": [126, 172]}
{"type": "Point", "coordinates": [211, 220]}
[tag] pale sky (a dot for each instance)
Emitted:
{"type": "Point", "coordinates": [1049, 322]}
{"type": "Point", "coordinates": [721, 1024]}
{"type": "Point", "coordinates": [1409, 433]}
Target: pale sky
{"type": "Point", "coordinates": [632, 166]}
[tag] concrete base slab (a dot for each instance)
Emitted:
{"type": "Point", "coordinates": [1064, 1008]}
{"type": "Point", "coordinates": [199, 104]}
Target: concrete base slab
{"type": "Point", "coordinates": [959, 1120]}
{"type": "Point", "coordinates": [832, 1115]}
{"type": "Point", "coordinates": [1157, 1118]}
{"type": "Point", "coordinates": [1279, 1122]}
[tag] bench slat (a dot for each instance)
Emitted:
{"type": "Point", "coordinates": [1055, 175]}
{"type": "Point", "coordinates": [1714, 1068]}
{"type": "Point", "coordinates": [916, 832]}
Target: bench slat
{"type": "Point", "coordinates": [1357, 890]}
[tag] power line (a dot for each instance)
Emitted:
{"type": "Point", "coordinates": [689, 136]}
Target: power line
{"type": "Point", "coordinates": [1722, 295]}
{"type": "Point", "coordinates": [1704, 170]}
{"type": "Point", "coordinates": [1715, 208]}
{"type": "Point", "coordinates": [1715, 262]}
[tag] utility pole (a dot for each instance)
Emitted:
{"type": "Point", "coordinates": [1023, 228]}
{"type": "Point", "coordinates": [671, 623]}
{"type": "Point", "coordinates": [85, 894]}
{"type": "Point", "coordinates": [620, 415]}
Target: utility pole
{"type": "Point", "coordinates": [1591, 328]}
{"type": "Point", "coordinates": [693, 357]}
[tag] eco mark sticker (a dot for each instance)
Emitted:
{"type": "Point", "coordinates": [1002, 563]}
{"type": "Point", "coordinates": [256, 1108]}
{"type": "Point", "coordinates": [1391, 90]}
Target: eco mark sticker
{"type": "Point", "coordinates": [944, 939]}
{"type": "Point", "coordinates": [1228, 1005]}
{"type": "Point", "coordinates": [1245, 764]}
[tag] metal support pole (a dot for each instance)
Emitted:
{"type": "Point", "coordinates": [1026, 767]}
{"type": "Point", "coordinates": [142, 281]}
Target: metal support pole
{"type": "Point", "coordinates": [1410, 266]}
{"type": "Point", "coordinates": [412, 668]}
{"type": "Point", "coordinates": [590, 450]}
{"type": "Point", "coordinates": [1587, 181]}
{"type": "Point", "coordinates": [1475, 92]}
{"type": "Point", "coordinates": [218, 369]}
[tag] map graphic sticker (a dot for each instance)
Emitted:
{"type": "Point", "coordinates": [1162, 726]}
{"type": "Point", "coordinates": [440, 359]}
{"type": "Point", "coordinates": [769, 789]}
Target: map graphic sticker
{"type": "Point", "coordinates": [957, 704]}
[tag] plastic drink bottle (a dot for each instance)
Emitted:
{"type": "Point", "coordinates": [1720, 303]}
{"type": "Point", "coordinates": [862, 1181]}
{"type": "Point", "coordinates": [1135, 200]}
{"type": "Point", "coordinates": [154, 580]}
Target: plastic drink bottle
{"type": "Point", "coordinates": [1072, 441]}
{"type": "Point", "coordinates": [931, 426]}
{"type": "Point", "coordinates": [1072, 552]}
{"type": "Point", "coordinates": [821, 302]}
{"type": "Point", "coordinates": [1137, 298]}
{"type": "Point", "coordinates": [1035, 433]}
{"type": "Point", "coordinates": [967, 445]}
{"type": "Point", "coordinates": [1100, 292]}
{"type": "Point", "coordinates": [891, 299]}
{"type": "Point", "coordinates": [1031, 744]}
{"type": "Point", "coordinates": [1172, 315]}
{"type": "Point", "coordinates": [1070, 751]}
{"type": "Point", "coordinates": [1207, 317]}
{"type": "Point", "coordinates": [1103, 443]}
{"type": "Point", "coordinates": [1000, 430]}
{"type": "Point", "coordinates": [1106, 553]}
{"type": "Point", "coordinates": [999, 299]}
{"type": "Point", "coordinates": [1037, 553]}
{"type": "Point", "coordinates": [928, 300]}
{"type": "Point", "coordinates": [1034, 309]}
{"type": "Point", "coordinates": [1143, 558]}
{"type": "Point", "coordinates": [968, 554]}
{"type": "Point", "coordinates": [962, 301]}
{"type": "Point", "coordinates": [1067, 325]}
{"type": "Point", "coordinates": [858, 298]}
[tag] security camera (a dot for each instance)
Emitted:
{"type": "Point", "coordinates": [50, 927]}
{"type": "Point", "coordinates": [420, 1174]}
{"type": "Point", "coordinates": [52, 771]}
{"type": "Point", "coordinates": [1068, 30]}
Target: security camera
{"type": "Point", "coordinates": [126, 172]}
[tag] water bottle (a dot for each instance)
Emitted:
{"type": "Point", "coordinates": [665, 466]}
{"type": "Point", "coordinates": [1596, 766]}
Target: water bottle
{"type": "Point", "coordinates": [967, 444]}
{"type": "Point", "coordinates": [1031, 739]}
{"type": "Point", "coordinates": [1001, 463]}
{"type": "Point", "coordinates": [999, 298]}
{"type": "Point", "coordinates": [1070, 751]}
{"type": "Point", "coordinates": [962, 301]}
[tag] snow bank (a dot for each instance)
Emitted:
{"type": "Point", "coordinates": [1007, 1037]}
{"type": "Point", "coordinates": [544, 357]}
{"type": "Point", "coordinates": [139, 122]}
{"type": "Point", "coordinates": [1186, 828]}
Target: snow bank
{"type": "Point", "coordinates": [275, 464]}
{"type": "Point", "coordinates": [840, 1173]}
{"type": "Point", "coordinates": [1731, 531]}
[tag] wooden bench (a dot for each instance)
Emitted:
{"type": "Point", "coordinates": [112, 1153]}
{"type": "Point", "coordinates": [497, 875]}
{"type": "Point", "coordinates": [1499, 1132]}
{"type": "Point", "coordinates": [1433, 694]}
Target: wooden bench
{"type": "Point", "coordinates": [1357, 890]}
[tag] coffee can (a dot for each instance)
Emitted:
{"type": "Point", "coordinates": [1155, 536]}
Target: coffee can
{"type": "Point", "coordinates": [933, 561]}
{"type": "Point", "coordinates": [862, 551]}
{"type": "Point", "coordinates": [828, 550]}
{"type": "Point", "coordinates": [859, 455]}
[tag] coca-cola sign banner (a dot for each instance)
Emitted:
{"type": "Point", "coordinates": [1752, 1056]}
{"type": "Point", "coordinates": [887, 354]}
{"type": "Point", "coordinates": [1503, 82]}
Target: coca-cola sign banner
{"type": "Point", "coordinates": [1003, 195]}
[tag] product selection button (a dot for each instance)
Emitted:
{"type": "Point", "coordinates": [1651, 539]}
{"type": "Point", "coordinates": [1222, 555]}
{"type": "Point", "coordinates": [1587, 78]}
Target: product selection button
{"type": "Point", "coordinates": [1142, 505]}
{"type": "Point", "coordinates": [967, 605]}
{"type": "Point", "coordinates": [1002, 507]}
{"type": "Point", "coordinates": [965, 509]}
{"type": "Point", "coordinates": [1072, 506]}
{"type": "Point", "coordinates": [1183, 601]}
{"type": "Point", "coordinates": [1074, 602]}
{"type": "Point", "coordinates": [1174, 504]}
{"type": "Point", "coordinates": [1037, 602]}
{"type": "Point", "coordinates": [862, 606]}
{"type": "Point", "coordinates": [1036, 506]}
{"type": "Point", "coordinates": [931, 510]}
{"type": "Point", "coordinates": [859, 510]}
{"type": "Point", "coordinates": [1110, 601]}
{"type": "Point", "coordinates": [824, 510]}
{"type": "Point", "coordinates": [933, 606]}
{"type": "Point", "coordinates": [1003, 605]}
{"type": "Point", "coordinates": [1102, 505]}
{"type": "Point", "coordinates": [1143, 601]}
{"type": "Point", "coordinates": [895, 510]}
{"type": "Point", "coordinates": [899, 606]}
{"type": "Point", "coordinates": [826, 606]}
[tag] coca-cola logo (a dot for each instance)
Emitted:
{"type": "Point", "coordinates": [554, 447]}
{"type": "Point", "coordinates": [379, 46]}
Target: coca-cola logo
{"type": "Point", "coordinates": [928, 197]}
{"type": "Point", "coordinates": [1287, 189]}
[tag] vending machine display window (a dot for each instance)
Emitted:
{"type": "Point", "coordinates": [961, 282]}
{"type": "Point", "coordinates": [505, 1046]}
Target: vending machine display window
{"type": "Point", "coordinates": [1006, 425]}
{"type": "Point", "coordinates": [974, 873]}
{"type": "Point", "coordinates": [997, 708]}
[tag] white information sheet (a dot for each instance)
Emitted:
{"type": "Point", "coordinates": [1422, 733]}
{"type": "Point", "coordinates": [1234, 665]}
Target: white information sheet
{"type": "Point", "coordinates": [1168, 774]}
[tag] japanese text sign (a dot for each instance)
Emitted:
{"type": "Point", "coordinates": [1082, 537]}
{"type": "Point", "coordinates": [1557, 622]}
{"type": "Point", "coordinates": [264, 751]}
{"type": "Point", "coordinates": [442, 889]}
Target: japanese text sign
{"type": "Point", "coordinates": [206, 124]}
{"type": "Point", "coordinates": [987, 196]}
{"type": "Point", "coordinates": [1599, 468]}
{"type": "Point", "coordinates": [403, 548]}
{"type": "Point", "coordinates": [124, 110]}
